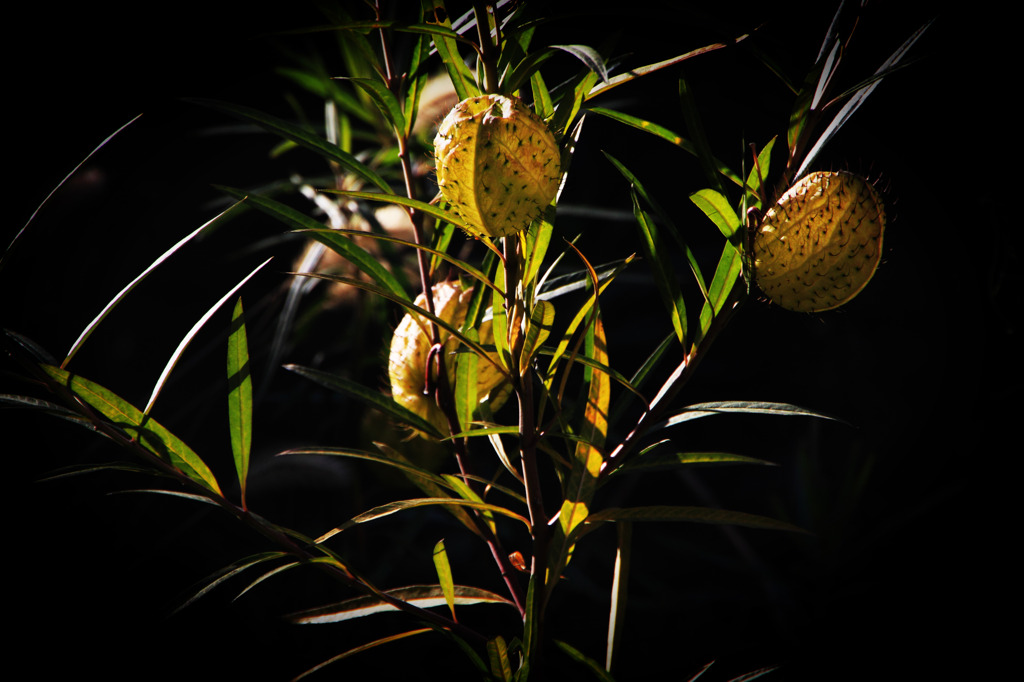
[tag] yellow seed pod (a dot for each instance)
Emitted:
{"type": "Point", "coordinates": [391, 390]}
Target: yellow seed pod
{"type": "Point", "coordinates": [498, 164]}
{"type": "Point", "coordinates": [820, 244]}
{"type": "Point", "coordinates": [410, 346]}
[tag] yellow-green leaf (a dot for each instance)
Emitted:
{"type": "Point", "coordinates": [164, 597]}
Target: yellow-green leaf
{"type": "Point", "coordinates": [147, 431]}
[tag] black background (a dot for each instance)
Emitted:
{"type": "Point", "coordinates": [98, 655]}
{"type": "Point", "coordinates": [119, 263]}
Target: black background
{"type": "Point", "coordinates": [906, 578]}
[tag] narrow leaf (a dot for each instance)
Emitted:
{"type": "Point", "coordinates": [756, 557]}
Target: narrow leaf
{"type": "Point", "coordinates": [691, 515]}
{"type": "Point", "coordinates": [620, 589]}
{"type": "Point", "coordinates": [701, 410]}
{"type": "Point", "coordinates": [664, 273]}
{"type": "Point", "coordinates": [497, 654]}
{"type": "Point", "coordinates": [342, 245]}
{"type": "Point", "coordinates": [444, 576]}
{"type": "Point", "coordinates": [369, 397]}
{"type": "Point", "coordinates": [665, 134]}
{"type": "Point", "coordinates": [239, 396]}
{"type": "Point", "coordinates": [385, 100]}
{"type": "Point", "coordinates": [403, 505]}
{"type": "Point", "coordinates": [587, 662]}
{"type": "Point", "coordinates": [302, 137]}
{"type": "Point", "coordinates": [148, 432]}
{"type": "Point", "coordinates": [131, 285]}
{"type": "Point", "coordinates": [423, 596]}
{"type": "Point", "coordinates": [191, 335]}
{"type": "Point", "coordinates": [716, 207]}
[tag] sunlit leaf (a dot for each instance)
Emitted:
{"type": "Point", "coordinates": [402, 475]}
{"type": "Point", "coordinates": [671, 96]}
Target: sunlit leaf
{"type": "Point", "coordinates": [423, 596]}
{"type": "Point", "coordinates": [10, 247]}
{"type": "Point", "coordinates": [239, 396]}
{"type": "Point", "coordinates": [712, 409]}
{"type": "Point", "coordinates": [342, 245]}
{"type": "Point", "coordinates": [664, 273]}
{"type": "Point", "coordinates": [403, 505]}
{"type": "Point", "coordinates": [593, 666]}
{"type": "Point", "coordinates": [341, 239]}
{"type": "Point", "coordinates": [374, 399]}
{"type": "Point", "coordinates": [444, 575]}
{"type": "Point", "coordinates": [669, 459]}
{"type": "Point", "coordinates": [716, 207]}
{"type": "Point", "coordinates": [619, 591]}
{"type": "Point", "coordinates": [497, 654]}
{"type": "Point", "coordinates": [385, 100]}
{"type": "Point", "coordinates": [729, 269]}
{"type": "Point", "coordinates": [665, 134]}
{"type": "Point", "coordinates": [302, 137]}
{"type": "Point", "coordinates": [148, 432]}
{"type": "Point", "coordinates": [695, 127]}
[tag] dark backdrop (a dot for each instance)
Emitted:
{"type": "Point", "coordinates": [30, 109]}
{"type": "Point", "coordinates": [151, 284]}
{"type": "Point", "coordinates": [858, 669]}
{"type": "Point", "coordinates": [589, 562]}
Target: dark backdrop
{"type": "Point", "coordinates": [908, 566]}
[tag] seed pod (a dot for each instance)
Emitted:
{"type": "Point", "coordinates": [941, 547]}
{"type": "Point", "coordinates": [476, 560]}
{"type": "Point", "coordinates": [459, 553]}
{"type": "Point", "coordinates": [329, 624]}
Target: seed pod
{"type": "Point", "coordinates": [820, 244]}
{"type": "Point", "coordinates": [410, 346]}
{"type": "Point", "coordinates": [497, 164]}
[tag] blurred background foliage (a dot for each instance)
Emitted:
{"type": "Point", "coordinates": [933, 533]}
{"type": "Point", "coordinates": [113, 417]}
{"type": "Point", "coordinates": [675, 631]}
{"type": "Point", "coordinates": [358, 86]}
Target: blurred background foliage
{"type": "Point", "coordinates": [909, 552]}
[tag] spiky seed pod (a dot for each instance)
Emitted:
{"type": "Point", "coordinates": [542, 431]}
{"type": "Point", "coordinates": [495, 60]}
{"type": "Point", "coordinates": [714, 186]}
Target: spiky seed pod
{"type": "Point", "coordinates": [820, 244]}
{"type": "Point", "coordinates": [410, 346]}
{"type": "Point", "coordinates": [498, 164]}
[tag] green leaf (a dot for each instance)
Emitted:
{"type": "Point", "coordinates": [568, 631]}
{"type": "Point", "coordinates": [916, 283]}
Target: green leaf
{"type": "Point", "coordinates": [696, 129]}
{"type": "Point", "coordinates": [369, 397]}
{"type": "Point", "coordinates": [239, 396]}
{"type": "Point", "coordinates": [466, 383]}
{"type": "Point", "coordinates": [446, 42]}
{"type": "Point", "coordinates": [331, 238]}
{"type": "Point", "coordinates": [444, 575]}
{"type": "Point", "coordinates": [343, 246]}
{"type": "Point", "coordinates": [589, 663]}
{"type": "Point", "coordinates": [225, 574]}
{"type": "Point", "coordinates": [664, 273]}
{"type": "Point", "coordinates": [429, 209]}
{"type": "Point", "coordinates": [467, 493]}
{"type": "Point", "coordinates": [758, 174]}
{"type": "Point", "coordinates": [665, 134]}
{"type": "Point", "coordinates": [423, 596]}
{"type": "Point", "coordinates": [433, 485]}
{"type": "Point", "coordinates": [729, 269]}
{"type": "Point", "coordinates": [148, 432]}
{"type": "Point", "coordinates": [688, 514]}
{"type": "Point", "coordinates": [716, 207]}
{"type": "Point", "coordinates": [385, 100]}
{"type": "Point", "coordinates": [497, 654]}
{"type": "Point", "coordinates": [402, 505]}
{"type": "Point", "coordinates": [588, 459]}
{"type": "Point", "coordinates": [665, 219]}
{"type": "Point", "coordinates": [302, 137]}
{"type": "Point", "coordinates": [666, 460]}
{"type": "Point", "coordinates": [419, 74]}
